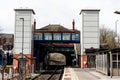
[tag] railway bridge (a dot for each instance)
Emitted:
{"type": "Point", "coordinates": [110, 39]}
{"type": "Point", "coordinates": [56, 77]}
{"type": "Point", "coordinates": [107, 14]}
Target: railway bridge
{"type": "Point", "coordinates": [58, 39]}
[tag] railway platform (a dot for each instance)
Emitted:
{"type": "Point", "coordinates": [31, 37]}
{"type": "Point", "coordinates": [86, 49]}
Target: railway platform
{"type": "Point", "coordinates": [69, 74]}
{"type": "Point", "coordinates": [85, 74]}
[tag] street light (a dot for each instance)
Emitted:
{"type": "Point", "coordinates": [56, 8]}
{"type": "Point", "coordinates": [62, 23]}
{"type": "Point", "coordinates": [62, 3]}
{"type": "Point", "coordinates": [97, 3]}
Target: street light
{"type": "Point", "coordinates": [116, 36]}
{"type": "Point", "coordinates": [117, 12]}
{"type": "Point", "coordinates": [22, 60]}
{"type": "Point", "coordinates": [116, 27]}
{"type": "Point", "coordinates": [22, 34]}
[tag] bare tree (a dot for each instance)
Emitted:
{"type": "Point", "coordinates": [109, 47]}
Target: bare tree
{"type": "Point", "coordinates": [107, 38]}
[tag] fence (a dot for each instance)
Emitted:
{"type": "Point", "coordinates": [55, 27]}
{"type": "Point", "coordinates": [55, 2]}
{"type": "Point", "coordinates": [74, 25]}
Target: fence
{"type": "Point", "coordinates": [108, 62]}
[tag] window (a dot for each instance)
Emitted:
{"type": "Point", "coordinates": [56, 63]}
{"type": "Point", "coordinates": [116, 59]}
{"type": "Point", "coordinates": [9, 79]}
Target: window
{"type": "Point", "coordinates": [35, 37]}
{"type": "Point", "coordinates": [66, 36]}
{"type": "Point", "coordinates": [38, 36]}
{"type": "Point", "coordinates": [75, 36]}
{"type": "Point", "coordinates": [48, 36]}
{"type": "Point", "coordinates": [57, 36]}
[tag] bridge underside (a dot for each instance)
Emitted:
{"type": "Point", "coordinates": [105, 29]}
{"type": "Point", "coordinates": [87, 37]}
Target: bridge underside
{"type": "Point", "coordinates": [42, 49]}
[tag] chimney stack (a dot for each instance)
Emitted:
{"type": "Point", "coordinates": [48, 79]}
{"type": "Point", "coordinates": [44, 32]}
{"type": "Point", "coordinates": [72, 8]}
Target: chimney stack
{"type": "Point", "coordinates": [73, 25]}
{"type": "Point", "coordinates": [34, 24]}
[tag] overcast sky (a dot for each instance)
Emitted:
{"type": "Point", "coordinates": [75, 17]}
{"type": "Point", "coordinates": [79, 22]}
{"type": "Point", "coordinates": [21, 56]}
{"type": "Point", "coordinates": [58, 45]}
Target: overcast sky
{"type": "Point", "coordinates": [59, 12]}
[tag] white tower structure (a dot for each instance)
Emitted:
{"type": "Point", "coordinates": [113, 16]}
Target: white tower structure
{"type": "Point", "coordinates": [90, 29]}
{"type": "Point", "coordinates": [24, 20]}
{"type": "Point", "coordinates": [90, 37]}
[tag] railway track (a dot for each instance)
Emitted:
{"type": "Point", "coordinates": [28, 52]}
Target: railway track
{"type": "Point", "coordinates": [55, 74]}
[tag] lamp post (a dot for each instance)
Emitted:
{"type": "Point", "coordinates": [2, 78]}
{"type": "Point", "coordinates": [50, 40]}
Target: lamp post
{"type": "Point", "coordinates": [117, 38]}
{"type": "Point", "coordinates": [22, 60]}
{"type": "Point", "coordinates": [116, 26]}
{"type": "Point", "coordinates": [117, 12]}
{"type": "Point", "coordinates": [22, 35]}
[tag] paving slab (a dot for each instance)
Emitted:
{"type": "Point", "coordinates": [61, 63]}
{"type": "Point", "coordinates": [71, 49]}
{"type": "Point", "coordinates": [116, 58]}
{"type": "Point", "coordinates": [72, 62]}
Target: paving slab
{"type": "Point", "coordinates": [92, 74]}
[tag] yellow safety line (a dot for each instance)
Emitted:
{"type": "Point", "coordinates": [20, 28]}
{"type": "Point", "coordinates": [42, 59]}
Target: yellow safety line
{"type": "Point", "coordinates": [65, 74]}
{"type": "Point", "coordinates": [74, 75]}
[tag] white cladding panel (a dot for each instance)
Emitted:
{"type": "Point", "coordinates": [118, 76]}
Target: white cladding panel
{"type": "Point", "coordinates": [90, 28]}
{"type": "Point", "coordinates": [26, 34]}
{"type": "Point", "coordinates": [28, 40]}
{"type": "Point", "coordinates": [91, 35]}
{"type": "Point", "coordinates": [92, 23]}
{"type": "Point", "coordinates": [26, 45]}
{"type": "Point", "coordinates": [18, 40]}
{"type": "Point", "coordinates": [90, 12]}
{"type": "Point", "coordinates": [25, 50]}
{"type": "Point", "coordinates": [19, 23]}
{"type": "Point", "coordinates": [25, 17]}
{"type": "Point", "coordinates": [26, 28]}
{"type": "Point", "coordinates": [19, 47]}
{"type": "Point", "coordinates": [18, 50]}
{"type": "Point", "coordinates": [23, 13]}
{"type": "Point", "coordinates": [90, 18]}
{"type": "Point", "coordinates": [18, 35]}
{"type": "Point", "coordinates": [91, 15]}
{"type": "Point", "coordinates": [90, 41]}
